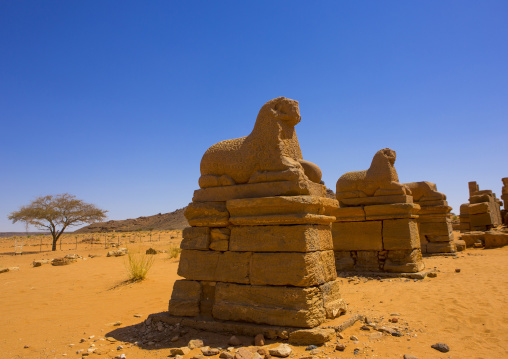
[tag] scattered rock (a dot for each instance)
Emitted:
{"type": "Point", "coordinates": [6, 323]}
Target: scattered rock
{"type": "Point", "coordinates": [151, 251]}
{"type": "Point", "coordinates": [4, 270]}
{"type": "Point", "coordinates": [353, 338]}
{"type": "Point", "coordinates": [195, 343]}
{"type": "Point", "coordinates": [243, 353]}
{"type": "Point", "coordinates": [457, 270]}
{"type": "Point", "coordinates": [40, 262]}
{"type": "Point", "coordinates": [356, 351]}
{"type": "Point", "coordinates": [226, 355]}
{"type": "Point", "coordinates": [179, 351]}
{"type": "Point", "coordinates": [432, 275]}
{"type": "Point", "coordinates": [234, 341]}
{"type": "Point", "coordinates": [62, 261]}
{"type": "Point", "coordinates": [407, 356]}
{"type": "Point", "coordinates": [394, 320]}
{"type": "Point", "coordinates": [259, 340]}
{"type": "Point", "coordinates": [365, 327]}
{"type": "Point", "coordinates": [26, 346]}
{"type": "Point", "coordinates": [395, 315]}
{"type": "Point", "coordinates": [117, 324]}
{"type": "Point", "coordinates": [311, 347]}
{"type": "Point", "coordinates": [121, 356]}
{"type": "Point", "coordinates": [209, 351]}
{"type": "Point", "coordinates": [118, 253]}
{"type": "Point", "coordinates": [340, 336]}
{"type": "Point", "coordinates": [137, 315]}
{"type": "Point", "coordinates": [197, 356]}
{"type": "Point", "coordinates": [72, 256]}
{"type": "Point", "coordinates": [376, 335]}
{"type": "Point", "coordinates": [442, 347]}
{"type": "Point", "coordinates": [282, 351]}
{"type": "Point", "coordinates": [315, 336]}
{"type": "Point", "coordinates": [110, 339]}
{"type": "Point", "coordinates": [120, 347]}
{"type": "Point", "coordinates": [263, 352]}
{"type": "Point", "coordinates": [175, 338]}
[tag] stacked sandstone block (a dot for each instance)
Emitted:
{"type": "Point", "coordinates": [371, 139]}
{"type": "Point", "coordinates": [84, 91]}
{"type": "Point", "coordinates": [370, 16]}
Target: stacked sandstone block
{"type": "Point", "coordinates": [259, 249]}
{"type": "Point", "coordinates": [504, 198]}
{"type": "Point", "coordinates": [434, 218]}
{"type": "Point", "coordinates": [482, 212]}
{"type": "Point", "coordinates": [376, 227]}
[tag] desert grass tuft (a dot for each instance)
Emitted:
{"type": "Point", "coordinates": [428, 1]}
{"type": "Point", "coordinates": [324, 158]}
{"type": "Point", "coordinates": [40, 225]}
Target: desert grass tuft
{"type": "Point", "coordinates": [174, 252]}
{"type": "Point", "coordinates": [138, 264]}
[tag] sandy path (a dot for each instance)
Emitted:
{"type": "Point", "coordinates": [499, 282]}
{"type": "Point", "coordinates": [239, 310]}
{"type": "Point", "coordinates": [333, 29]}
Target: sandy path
{"type": "Point", "coordinates": [48, 308]}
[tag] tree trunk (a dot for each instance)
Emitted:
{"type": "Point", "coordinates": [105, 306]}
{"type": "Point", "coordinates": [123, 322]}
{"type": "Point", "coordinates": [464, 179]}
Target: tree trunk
{"type": "Point", "coordinates": [55, 239]}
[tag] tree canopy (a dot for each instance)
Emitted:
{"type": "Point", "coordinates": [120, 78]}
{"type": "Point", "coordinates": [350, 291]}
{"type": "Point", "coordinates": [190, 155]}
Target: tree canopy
{"type": "Point", "coordinates": [56, 213]}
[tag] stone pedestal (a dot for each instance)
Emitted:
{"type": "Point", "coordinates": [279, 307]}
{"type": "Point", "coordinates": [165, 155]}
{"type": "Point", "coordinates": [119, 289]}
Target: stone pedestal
{"type": "Point", "coordinates": [434, 219]}
{"type": "Point", "coordinates": [504, 198]}
{"type": "Point", "coordinates": [377, 238]}
{"type": "Point", "coordinates": [482, 212]}
{"type": "Point", "coordinates": [262, 260]}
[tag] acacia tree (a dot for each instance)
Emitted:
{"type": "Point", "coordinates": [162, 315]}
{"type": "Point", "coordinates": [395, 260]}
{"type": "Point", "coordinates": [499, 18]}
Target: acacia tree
{"type": "Point", "coordinates": [56, 213]}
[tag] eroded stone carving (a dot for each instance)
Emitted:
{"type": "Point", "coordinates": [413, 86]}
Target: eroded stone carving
{"type": "Point", "coordinates": [260, 246]}
{"type": "Point", "coordinates": [380, 179]}
{"type": "Point", "coordinates": [270, 153]}
{"type": "Point", "coordinates": [376, 228]}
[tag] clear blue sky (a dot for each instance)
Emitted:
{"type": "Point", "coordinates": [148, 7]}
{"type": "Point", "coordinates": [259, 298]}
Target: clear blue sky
{"type": "Point", "coordinates": [116, 101]}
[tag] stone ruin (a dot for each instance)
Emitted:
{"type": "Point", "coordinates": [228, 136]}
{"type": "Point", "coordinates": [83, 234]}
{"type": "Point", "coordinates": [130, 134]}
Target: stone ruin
{"type": "Point", "coordinates": [504, 198]}
{"type": "Point", "coordinates": [482, 212]}
{"type": "Point", "coordinates": [376, 228]}
{"type": "Point", "coordinates": [434, 218]}
{"type": "Point", "coordinates": [259, 249]}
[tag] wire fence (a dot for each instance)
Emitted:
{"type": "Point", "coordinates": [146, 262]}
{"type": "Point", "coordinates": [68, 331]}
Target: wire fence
{"type": "Point", "coordinates": [71, 241]}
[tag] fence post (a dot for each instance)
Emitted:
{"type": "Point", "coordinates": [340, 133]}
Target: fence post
{"type": "Point", "coordinates": [105, 241]}
{"type": "Point", "coordinates": [76, 241]}
{"type": "Point", "coordinates": [40, 248]}
{"type": "Point", "coordinates": [118, 237]}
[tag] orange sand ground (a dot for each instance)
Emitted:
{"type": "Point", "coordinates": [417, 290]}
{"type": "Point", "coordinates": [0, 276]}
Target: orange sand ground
{"type": "Point", "coordinates": [49, 308]}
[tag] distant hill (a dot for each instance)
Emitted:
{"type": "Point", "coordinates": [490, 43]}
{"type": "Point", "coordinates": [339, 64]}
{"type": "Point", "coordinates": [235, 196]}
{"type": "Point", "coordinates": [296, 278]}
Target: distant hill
{"type": "Point", "coordinates": [165, 221]}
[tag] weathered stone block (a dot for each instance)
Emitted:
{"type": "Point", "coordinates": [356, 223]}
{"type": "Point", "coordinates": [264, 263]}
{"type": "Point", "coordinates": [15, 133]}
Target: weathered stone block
{"type": "Point", "coordinates": [195, 238]}
{"type": "Point", "coordinates": [297, 238]}
{"type": "Point", "coordinates": [479, 208]}
{"type": "Point", "coordinates": [440, 247]}
{"type": "Point", "coordinates": [344, 261]}
{"type": "Point", "coordinates": [390, 211]}
{"type": "Point", "coordinates": [368, 201]}
{"type": "Point", "coordinates": [495, 239]}
{"type": "Point", "coordinates": [435, 239]}
{"type": "Point", "coordinates": [352, 236]}
{"type": "Point", "coordinates": [185, 298]}
{"type": "Point", "coordinates": [207, 299]}
{"type": "Point", "coordinates": [404, 261]}
{"type": "Point", "coordinates": [281, 210]}
{"type": "Point", "coordinates": [433, 210]}
{"type": "Point", "coordinates": [473, 237]}
{"type": "Point", "coordinates": [436, 228]}
{"type": "Point", "coordinates": [333, 303]}
{"type": "Point", "coordinates": [480, 220]}
{"type": "Point", "coordinates": [220, 239]}
{"type": "Point", "coordinates": [215, 266]}
{"type": "Point", "coordinates": [400, 234]}
{"type": "Point", "coordinates": [349, 214]}
{"type": "Point", "coordinates": [207, 214]}
{"type": "Point", "coordinates": [256, 190]}
{"type": "Point", "coordinates": [367, 261]}
{"type": "Point", "coordinates": [315, 336]}
{"type": "Point", "coordinates": [296, 269]}
{"type": "Point", "coordinates": [273, 305]}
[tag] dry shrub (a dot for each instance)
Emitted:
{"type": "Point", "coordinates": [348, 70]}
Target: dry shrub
{"type": "Point", "coordinates": [138, 264]}
{"type": "Point", "coordinates": [174, 252]}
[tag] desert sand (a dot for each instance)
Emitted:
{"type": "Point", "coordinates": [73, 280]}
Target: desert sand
{"type": "Point", "coordinates": [46, 311]}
